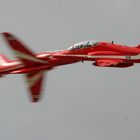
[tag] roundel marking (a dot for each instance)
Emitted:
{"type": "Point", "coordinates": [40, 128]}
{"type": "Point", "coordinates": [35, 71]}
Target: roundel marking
{"type": "Point", "coordinates": [128, 57]}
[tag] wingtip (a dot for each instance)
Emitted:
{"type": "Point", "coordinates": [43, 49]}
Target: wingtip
{"type": "Point", "coordinates": [6, 34]}
{"type": "Point", "coordinates": [35, 98]}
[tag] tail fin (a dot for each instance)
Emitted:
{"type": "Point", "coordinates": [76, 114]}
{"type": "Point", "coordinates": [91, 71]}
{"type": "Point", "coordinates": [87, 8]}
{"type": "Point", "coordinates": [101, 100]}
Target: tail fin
{"type": "Point", "coordinates": [3, 62]}
{"type": "Point", "coordinates": [21, 52]}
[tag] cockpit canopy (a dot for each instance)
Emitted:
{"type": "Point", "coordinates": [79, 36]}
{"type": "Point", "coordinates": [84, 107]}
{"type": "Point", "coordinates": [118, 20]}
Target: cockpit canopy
{"type": "Point", "coordinates": [83, 44]}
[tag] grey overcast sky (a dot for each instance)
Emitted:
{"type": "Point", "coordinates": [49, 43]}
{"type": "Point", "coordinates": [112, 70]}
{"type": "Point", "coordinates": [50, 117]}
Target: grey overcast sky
{"type": "Point", "coordinates": [80, 102]}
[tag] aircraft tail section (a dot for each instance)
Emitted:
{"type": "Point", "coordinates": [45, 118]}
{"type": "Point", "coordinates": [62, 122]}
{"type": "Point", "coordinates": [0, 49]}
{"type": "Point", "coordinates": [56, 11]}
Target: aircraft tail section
{"type": "Point", "coordinates": [20, 50]}
{"type": "Point", "coordinates": [35, 78]}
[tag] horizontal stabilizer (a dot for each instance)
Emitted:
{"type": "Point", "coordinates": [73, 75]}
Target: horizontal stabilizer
{"type": "Point", "coordinates": [3, 59]}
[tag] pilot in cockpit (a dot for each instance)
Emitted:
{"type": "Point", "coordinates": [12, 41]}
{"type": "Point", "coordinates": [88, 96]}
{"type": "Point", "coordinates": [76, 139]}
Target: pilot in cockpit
{"type": "Point", "coordinates": [83, 44]}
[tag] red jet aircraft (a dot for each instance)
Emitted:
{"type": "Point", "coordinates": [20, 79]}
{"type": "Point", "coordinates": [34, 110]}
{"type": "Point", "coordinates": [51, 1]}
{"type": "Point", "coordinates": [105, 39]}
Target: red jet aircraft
{"type": "Point", "coordinates": [102, 54]}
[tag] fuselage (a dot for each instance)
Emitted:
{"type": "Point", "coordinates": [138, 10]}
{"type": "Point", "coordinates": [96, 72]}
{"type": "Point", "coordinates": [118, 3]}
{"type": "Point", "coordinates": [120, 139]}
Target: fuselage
{"type": "Point", "coordinates": [99, 50]}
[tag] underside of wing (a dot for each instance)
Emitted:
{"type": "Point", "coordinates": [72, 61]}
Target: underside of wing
{"type": "Point", "coordinates": [112, 63]}
{"type": "Point", "coordinates": [106, 62]}
{"type": "Point", "coordinates": [35, 83]}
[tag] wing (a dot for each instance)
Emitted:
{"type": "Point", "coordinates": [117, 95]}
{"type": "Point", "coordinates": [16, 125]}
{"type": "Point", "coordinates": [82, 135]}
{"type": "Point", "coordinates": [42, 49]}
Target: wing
{"type": "Point", "coordinates": [35, 83]}
{"type": "Point", "coordinates": [112, 63]}
{"type": "Point", "coordinates": [106, 62]}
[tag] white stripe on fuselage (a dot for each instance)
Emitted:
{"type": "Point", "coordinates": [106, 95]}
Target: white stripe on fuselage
{"type": "Point", "coordinates": [102, 56]}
